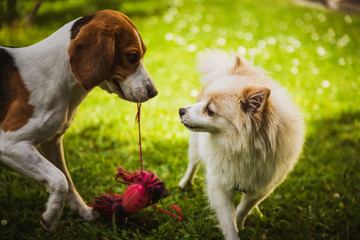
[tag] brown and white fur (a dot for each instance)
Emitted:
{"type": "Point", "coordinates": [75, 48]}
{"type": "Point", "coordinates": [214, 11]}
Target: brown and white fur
{"type": "Point", "coordinates": [248, 132]}
{"type": "Point", "coordinates": [42, 85]}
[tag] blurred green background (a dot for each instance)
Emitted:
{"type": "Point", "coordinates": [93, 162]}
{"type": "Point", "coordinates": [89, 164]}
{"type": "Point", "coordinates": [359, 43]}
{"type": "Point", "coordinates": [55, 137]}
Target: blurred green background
{"type": "Point", "coordinates": [312, 51]}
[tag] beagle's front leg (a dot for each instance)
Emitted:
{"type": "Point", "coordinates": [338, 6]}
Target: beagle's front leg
{"type": "Point", "coordinates": [24, 158]}
{"type": "Point", "coordinates": [53, 151]}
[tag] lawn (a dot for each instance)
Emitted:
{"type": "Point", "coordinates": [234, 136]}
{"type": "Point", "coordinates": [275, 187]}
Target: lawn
{"type": "Point", "coordinates": [314, 53]}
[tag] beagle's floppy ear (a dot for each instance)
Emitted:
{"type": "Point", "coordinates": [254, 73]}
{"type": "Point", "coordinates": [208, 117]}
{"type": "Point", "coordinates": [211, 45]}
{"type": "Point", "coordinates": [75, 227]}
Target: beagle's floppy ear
{"type": "Point", "coordinates": [91, 54]}
{"type": "Point", "coordinates": [254, 99]}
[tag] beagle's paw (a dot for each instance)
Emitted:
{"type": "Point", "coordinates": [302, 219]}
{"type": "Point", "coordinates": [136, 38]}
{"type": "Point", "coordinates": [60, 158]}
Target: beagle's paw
{"type": "Point", "coordinates": [88, 213]}
{"type": "Point", "coordinates": [48, 225]}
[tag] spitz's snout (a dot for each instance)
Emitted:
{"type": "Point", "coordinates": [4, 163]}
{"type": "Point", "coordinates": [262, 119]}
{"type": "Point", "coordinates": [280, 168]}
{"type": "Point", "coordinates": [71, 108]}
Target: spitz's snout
{"type": "Point", "coordinates": [182, 112]}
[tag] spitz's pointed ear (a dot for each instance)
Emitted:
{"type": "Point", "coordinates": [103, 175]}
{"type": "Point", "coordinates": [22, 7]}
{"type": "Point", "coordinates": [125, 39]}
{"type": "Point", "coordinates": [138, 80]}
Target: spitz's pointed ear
{"type": "Point", "coordinates": [254, 99]}
{"type": "Point", "coordinates": [238, 63]}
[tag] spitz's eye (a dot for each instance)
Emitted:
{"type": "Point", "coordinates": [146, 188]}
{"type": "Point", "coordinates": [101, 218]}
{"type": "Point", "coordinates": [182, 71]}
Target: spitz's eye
{"type": "Point", "coordinates": [208, 110]}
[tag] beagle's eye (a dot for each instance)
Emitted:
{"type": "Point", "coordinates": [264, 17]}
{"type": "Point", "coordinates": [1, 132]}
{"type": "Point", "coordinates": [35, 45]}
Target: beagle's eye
{"type": "Point", "coordinates": [209, 111]}
{"type": "Point", "coordinates": [132, 58]}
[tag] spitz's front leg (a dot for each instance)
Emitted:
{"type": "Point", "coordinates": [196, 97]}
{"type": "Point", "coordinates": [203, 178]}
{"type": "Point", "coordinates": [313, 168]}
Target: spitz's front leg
{"type": "Point", "coordinates": [194, 161]}
{"type": "Point", "coordinates": [248, 202]}
{"type": "Point", "coordinates": [223, 203]}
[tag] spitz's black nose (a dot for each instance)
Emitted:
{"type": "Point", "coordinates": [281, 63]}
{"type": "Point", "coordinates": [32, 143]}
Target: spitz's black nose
{"type": "Point", "coordinates": [182, 111]}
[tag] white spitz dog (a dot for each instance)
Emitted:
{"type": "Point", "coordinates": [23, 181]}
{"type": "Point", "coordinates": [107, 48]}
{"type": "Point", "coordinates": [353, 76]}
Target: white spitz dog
{"type": "Point", "coordinates": [246, 129]}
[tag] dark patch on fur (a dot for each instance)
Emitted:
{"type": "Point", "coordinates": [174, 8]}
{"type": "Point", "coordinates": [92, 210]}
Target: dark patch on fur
{"type": "Point", "coordinates": [7, 67]}
{"type": "Point", "coordinates": [75, 29]}
{"type": "Point", "coordinates": [237, 188]}
{"type": "Point", "coordinates": [15, 110]}
{"type": "Point", "coordinates": [9, 46]}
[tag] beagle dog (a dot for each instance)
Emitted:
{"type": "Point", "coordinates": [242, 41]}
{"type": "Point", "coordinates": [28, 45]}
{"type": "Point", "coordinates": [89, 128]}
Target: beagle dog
{"type": "Point", "coordinates": [41, 87]}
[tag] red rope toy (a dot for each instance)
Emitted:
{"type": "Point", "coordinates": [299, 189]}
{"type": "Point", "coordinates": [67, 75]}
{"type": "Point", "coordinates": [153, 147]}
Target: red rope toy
{"type": "Point", "coordinates": [144, 189]}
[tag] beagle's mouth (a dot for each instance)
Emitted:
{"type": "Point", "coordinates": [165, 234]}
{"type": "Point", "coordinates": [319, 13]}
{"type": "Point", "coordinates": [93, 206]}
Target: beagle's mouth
{"type": "Point", "coordinates": [117, 89]}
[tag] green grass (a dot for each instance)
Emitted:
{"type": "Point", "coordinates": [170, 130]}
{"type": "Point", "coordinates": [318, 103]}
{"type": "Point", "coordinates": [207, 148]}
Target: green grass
{"type": "Point", "coordinates": [315, 54]}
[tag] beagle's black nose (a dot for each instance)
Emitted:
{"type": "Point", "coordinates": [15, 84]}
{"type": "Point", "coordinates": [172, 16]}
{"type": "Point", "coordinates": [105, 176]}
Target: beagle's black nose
{"type": "Point", "coordinates": [152, 92]}
{"type": "Point", "coordinates": [182, 111]}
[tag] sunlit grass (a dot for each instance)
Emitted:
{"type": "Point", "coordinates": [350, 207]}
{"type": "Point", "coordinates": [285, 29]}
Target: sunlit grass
{"type": "Point", "coordinates": [315, 54]}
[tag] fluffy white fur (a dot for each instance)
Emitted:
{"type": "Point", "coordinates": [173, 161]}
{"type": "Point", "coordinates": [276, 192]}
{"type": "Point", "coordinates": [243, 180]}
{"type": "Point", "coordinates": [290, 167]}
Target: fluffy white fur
{"type": "Point", "coordinates": [247, 131]}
